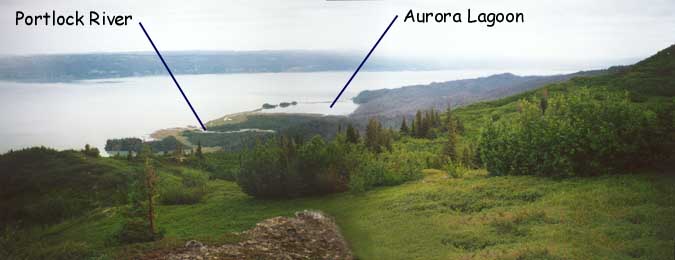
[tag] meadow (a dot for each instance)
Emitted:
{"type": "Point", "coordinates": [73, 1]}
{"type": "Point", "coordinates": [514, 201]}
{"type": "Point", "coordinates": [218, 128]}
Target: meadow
{"type": "Point", "coordinates": [472, 217]}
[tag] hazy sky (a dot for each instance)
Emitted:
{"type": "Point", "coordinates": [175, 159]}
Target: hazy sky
{"type": "Point", "coordinates": [575, 32]}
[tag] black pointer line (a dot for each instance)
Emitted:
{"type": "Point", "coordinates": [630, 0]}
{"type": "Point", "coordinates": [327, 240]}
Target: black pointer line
{"type": "Point", "coordinates": [363, 62]}
{"type": "Point", "coordinates": [172, 77]}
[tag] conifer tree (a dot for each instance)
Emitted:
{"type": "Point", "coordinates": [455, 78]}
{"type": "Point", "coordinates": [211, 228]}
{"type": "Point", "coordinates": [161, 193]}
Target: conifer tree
{"type": "Point", "coordinates": [418, 124]}
{"type": "Point", "coordinates": [139, 217]}
{"type": "Point", "coordinates": [179, 153]}
{"type": "Point", "coordinates": [150, 183]}
{"type": "Point", "coordinates": [199, 153]}
{"type": "Point", "coordinates": [448, 118]}
{"type": "Point", "coordinates": [386, 138]}
{"type": "Point", "coordinates": [459, 126]}
{"type": "Point", "coordinates": [437, 119]}
{"type": "Point", "coordinates": [543, 103]}
{"type": "Point", "coordinates": [450, 148]}
{"type": "Point", "coordinates": [352, 134]}
{"type": "Point", "coordinates": [378, 138]}
{"type": "Point", "coordinates": [372, 133]}
{"type": "Point", "coordinates": [466, 157]}
{"type": "Point", "coordinates": [404, 127]}
{"type": "Point", "coordinates": [426, 124]}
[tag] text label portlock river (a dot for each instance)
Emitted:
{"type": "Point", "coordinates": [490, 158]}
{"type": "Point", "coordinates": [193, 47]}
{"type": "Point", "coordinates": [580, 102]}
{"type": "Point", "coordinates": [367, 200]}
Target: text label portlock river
{"type": "Point", "coordinates": [74, 19]}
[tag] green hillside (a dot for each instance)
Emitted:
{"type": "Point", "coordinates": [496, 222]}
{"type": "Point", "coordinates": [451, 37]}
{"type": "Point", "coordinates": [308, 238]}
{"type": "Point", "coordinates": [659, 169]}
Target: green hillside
{"type": "Point", "coordinates": [43, 186]}
{"type": "Point", "coordinates": [475, 217]}
{"type": "Point", "coordinates": [649, 81]}
{"type": "Point", "coordinates": [580, 169]}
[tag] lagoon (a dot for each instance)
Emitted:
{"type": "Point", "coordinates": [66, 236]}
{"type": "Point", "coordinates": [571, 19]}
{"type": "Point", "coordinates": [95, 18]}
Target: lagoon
{"type": "Point", "coordinates": [70, 115]}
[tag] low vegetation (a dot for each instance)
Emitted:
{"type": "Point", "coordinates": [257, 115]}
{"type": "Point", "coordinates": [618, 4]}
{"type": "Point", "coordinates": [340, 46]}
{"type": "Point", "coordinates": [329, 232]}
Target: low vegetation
{"type": "Point", "coordinates": [580, 169]}
{"type": "Point", "coordinates": [290, 167]}
{"type": "Point", "coordinates": [475, 216]}
{"type": "Point", "coordinates": [585, 132]}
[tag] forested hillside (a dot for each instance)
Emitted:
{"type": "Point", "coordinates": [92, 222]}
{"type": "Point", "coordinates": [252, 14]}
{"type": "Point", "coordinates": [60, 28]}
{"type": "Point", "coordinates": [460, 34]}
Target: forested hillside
{"type": "Point", "coordinates": [71, 67]}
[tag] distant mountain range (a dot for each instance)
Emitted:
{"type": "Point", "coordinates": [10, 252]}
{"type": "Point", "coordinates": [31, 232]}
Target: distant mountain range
{"type": "Point", "coordinates": [407, 100]}
{"type": "Point", "coordinates": [70, 67]}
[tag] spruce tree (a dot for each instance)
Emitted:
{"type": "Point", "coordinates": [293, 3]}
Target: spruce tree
{"type": "Point", "coordinates": [178, 152]}
{"type": "Point", "coordinates": [466, 157]}
{"type": "Point", "coordinates": [450, 148]}
{"type": "Point", "coordinates": [427, 121]}
{"type": "Point", "coordinates": [419, 132]}
{"type": "Point", "coordinates": [404, 127]}
{"type": "Point", "coordinates": [413, 129]}
{"type": "Point", "coordinates": [139, 216]}
{"type": "Point", "coordinates": [459, 126]}
{"type": "Point", "coordinates": [377, 137]}
{"type": "Point", "coordinates": [199, 153]}
{"type": "Point", "coordinates": [151, 192]}
{"type": "Point", "coordinates": [352, 134]}
{"type": "Point", "coordinates": [372, 134]}
{"type": "Point", "coordinates": [448, 118]}
{"type": "Point", "coordinates": [543, 103]}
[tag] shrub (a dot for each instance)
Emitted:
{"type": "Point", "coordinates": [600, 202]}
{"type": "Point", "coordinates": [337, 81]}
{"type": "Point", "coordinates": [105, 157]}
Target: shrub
{"type": "Point", "coordinates": [282, 168]}
{"type": "Point", "coordinates": [91, 151]}
{"type": "Point", "coordinates": [56, 207]}
{"type": "Point", "coordinates": [220, 165]}
{"type": "Point", "coordinates": [189, 187]}
{"type": "Point", "coordinates": [456, 170]}
{"type": "Point", "coordinates": [193, 178]}
{"type": "Point", "coordinates": [586, 132]}
{"type": "Point", "coordinates": [135, 230]}
{"type": "Point", "coordinates": [370, 173]}
{"type": "Point", "coordinates": [179, 195]}
{"type": "Point", "coordinates": [66, 250]}
{"type": "Point", "coordinates": [385, 169]}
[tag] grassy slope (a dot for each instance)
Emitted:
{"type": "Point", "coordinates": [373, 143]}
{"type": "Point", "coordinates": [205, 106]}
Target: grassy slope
{"type": "Point", "coordinates": [65, 183]}
{"type": "Point", "coordinates": [612, 217]}
{"type": "Point", "coordinates": [512, 217]}
{"type": "Point", "coordinates": [649, 81]}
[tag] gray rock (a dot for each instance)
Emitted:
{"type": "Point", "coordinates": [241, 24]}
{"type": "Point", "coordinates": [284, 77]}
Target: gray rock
{"type": "Point", "coordinates": [194, 244]}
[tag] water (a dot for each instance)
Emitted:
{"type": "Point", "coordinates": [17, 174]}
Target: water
{"type": "Point", "coordinates": [70, 115]}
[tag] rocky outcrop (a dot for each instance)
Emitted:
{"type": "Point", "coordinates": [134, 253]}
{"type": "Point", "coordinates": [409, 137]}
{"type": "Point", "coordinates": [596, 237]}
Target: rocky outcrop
{"type": "Point", "coordinates": [309, 235]}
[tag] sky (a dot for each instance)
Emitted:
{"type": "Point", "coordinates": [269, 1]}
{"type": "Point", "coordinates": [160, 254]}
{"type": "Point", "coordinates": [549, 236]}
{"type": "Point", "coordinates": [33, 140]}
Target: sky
{"type": "Point", "coordinates": [579, 33]}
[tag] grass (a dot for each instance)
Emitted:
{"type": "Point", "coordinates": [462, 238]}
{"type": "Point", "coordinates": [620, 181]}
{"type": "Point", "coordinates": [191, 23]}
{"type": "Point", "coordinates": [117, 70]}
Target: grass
{"type": "Point", "coordinates": [472, 217]}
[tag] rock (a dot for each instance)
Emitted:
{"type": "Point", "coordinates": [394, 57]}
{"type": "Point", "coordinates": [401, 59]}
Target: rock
{"type": "Point", "coordinates": [194, 244]}
{"type": "Point", "coordinates": [309, 235]}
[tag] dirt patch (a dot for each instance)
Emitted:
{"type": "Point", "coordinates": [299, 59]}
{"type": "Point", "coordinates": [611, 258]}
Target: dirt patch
{"type": "Point", "coordinates": [309, 235]}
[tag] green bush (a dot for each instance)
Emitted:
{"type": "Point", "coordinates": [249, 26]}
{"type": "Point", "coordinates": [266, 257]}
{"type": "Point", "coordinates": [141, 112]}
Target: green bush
{"type": "Point", "coordinates": [586, 132]}
{"type": "Point", "coordinates": [385, 169]}
{"type": "Point", "coordinates": [179, 195]}
{"type": "Point", "coordinates": [193, 178]}
{"type": "Point", "coordinates": [220, 165]}
{"type": "Point", "coordinates": [18, 243]}
{"type": "Point", "coordinates": [456, 170]}
{"type": "Point", "coordinates": [370, 173]}
{"type": "Point", "coordinates": [188, 187]}
{"type": "Point", "coordinates": [135, 230]}
{"type": "Point", "coordinates": [284, 168]}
